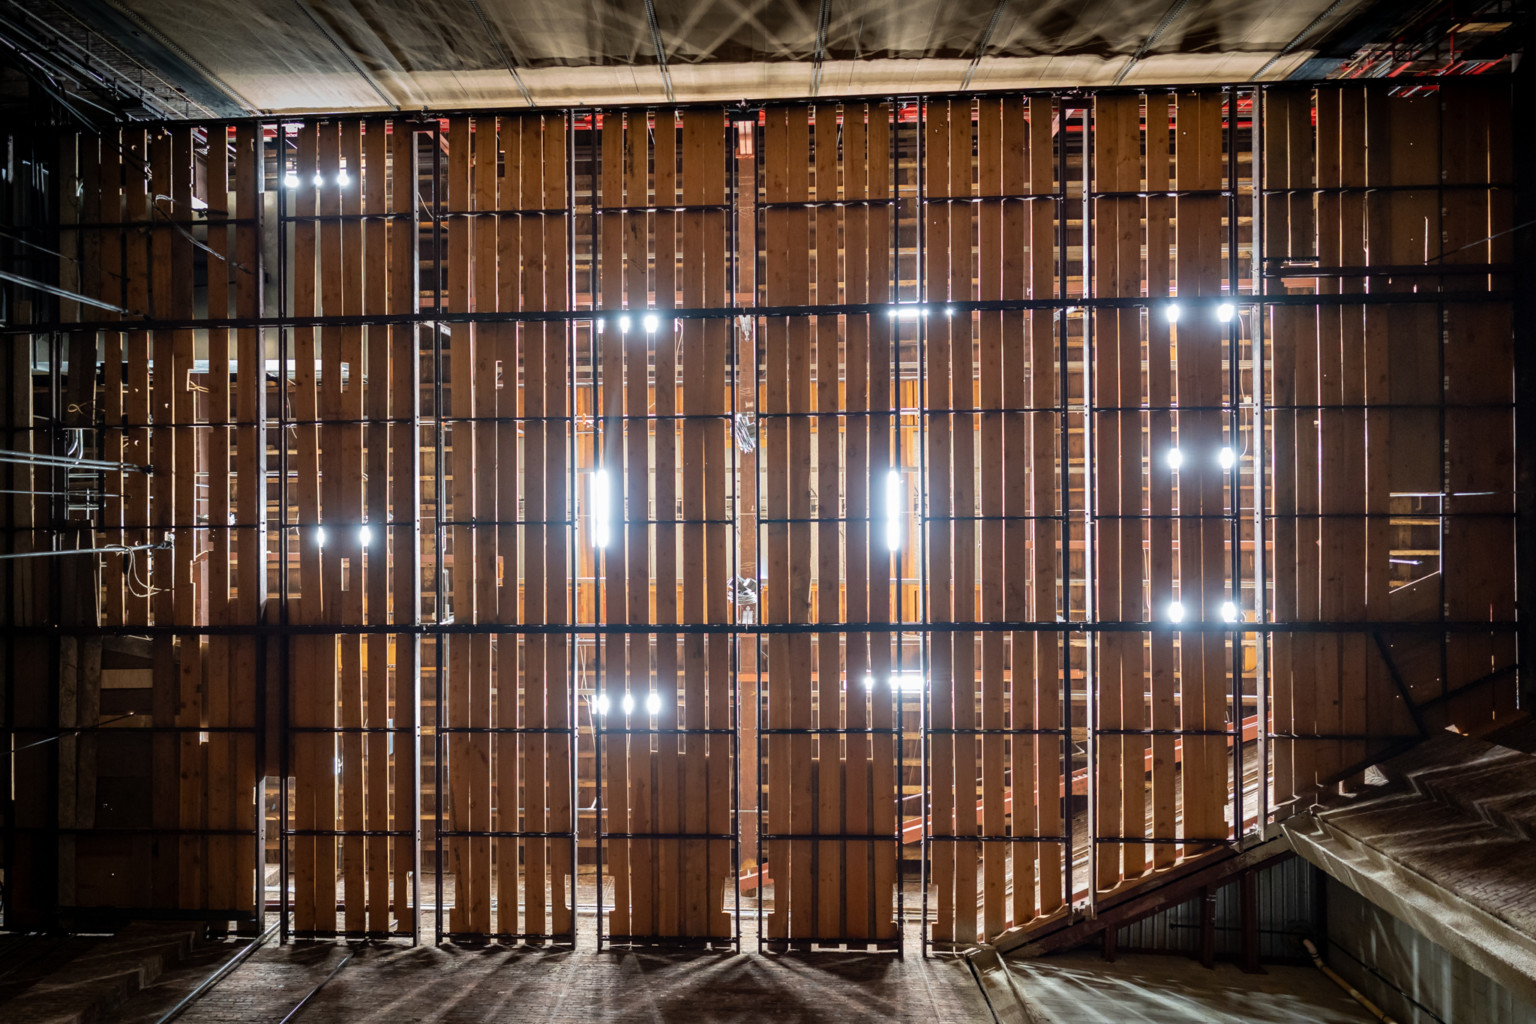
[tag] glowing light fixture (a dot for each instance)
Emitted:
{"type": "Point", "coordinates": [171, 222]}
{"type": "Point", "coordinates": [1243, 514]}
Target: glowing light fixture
{"type": "Point", "coordinates": [1175, 612]}
{"type": "Point", "coordinates": [1171, 311]}
{"type": "Point", "coordinates": [628, 703]}
{"type": "Point", "coordinates": [318, 180]}
{"type": "Point", "coordinates": [601, 509]}
{"type": "Point", "coordinates": [653, 703]}
{"type": "Point", "coordinates": [1224, 312]}
{"type": "Point", "coordinates": [1227, 457]}
{"type": "Point", "coordinates": [1228, 612]}
{"type": "Point", "coordinates": [319, 536]}
{"type": "Point", "coordinates": [1175, 458]}
{"type": "Point", "coordinates": [290, 180]}
{"type": "Point", "coordinates": [650, 323]}
{"type": "Point", "coordinates": [893, 510]}
{"type": "Point", "coordinates": [602, 703]}
{"type": "Point", "coordinates": [342, 178]}
{"type": "Point", "coordinates": [364, 535]}
{"type": "Point", "coordinates": [623, 323]}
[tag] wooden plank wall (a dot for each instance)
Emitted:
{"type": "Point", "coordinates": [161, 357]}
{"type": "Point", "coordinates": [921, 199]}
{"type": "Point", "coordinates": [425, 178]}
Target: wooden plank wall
{"type": "Point", "coordinates": [664, 393]}
{"type": "Point", "coordinates": [1391, 458]}
{"type": "Point", "coordinates": [1379, 489]}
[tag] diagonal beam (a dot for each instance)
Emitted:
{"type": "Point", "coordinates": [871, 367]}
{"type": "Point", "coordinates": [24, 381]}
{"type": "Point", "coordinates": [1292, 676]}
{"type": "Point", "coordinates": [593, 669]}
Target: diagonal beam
{"type": "Point", "coordinates": [661, 52]}
{"type": "Point", "coordinates": [1299, 38]}
{"type": "Point", "coordinates": [821, 45]}
{"type": "Point", "coordinates": [485, 26]}
{"type": "Point", "coordinates": [1162, 26]}
{"type": "Point", "coordinates": [346, 54]}
{"type": "Point", "coordinates": [981, 47]}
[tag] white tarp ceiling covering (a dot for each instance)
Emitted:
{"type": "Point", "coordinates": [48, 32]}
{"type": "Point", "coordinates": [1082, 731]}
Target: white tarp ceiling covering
{"type": "Point", "coordinates": [436, 53]}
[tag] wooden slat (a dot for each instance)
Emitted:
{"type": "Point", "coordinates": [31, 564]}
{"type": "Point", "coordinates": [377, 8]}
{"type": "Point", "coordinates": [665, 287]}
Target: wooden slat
{"type": "Point", "coordinates": [374, 558]}
{"type": "Point", "coordinates": [884, 783]}
{"type": "Point", "coordinates": [250, 601]}
{"type": "Point", "coordinates": [503, 344]}
{"type": "Point", "coordinates": [993, 264]}
{"type": "Point", "coordinates": [557, 695]}
{"type": "Point", "coordinates": [615, 590]}
{"type": "Point", "coordinates": [668, 817]}
{"type": "Point", "coordinates": [829, 886]}
{"type": "Point", "coordinates": [637, 488]}
{"type": "Point", "coordinates": [962, 275]}
{"type": "Point", "coordinates": [405, 533]}
{"type": "Point", "coordinates": [857, 503]}
{"type": "Point", "coordinates": [718, 536]}
{"type": "Point", "coordinates": [221, 669]}
{"type": "Point", "coordinates": [695, 762]}
{"type": "Point", "coordinates": [940, 551]}
{"type": "Point", "coordinates": [343, 463]}
{"type": "Point", "coordinates": [1162, 683]}
{"type": "Point", "coordinates": [775, 507]}
{"type": "Point", "coordinates": [461, 464]}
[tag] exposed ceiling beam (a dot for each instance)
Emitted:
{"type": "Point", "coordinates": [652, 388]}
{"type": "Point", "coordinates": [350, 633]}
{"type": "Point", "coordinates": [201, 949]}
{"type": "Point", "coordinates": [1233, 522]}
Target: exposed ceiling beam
{"type": "Point", "coordinates": [821, 46]}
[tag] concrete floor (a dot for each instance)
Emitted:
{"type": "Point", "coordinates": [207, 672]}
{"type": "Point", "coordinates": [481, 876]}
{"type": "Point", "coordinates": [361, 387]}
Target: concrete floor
{"type": "Point", "coordinates": [1083, 988]}
{"type": "Point", "coordinates": [458, 984]}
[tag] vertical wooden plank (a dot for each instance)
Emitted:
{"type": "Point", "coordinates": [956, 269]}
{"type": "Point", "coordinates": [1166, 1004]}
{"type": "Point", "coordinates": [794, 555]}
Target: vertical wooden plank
{"type": "Point", "coordinates": [884, 782]}
{"type": "Point", "coordinates": [962, 348]}
{"type": "Point", "coordinates": [557, 697]}
{"type": "Point", "coordinates": [374, 174]}
{"type": "Point", "coordinates": [860, 513]}
{"type": "Point", "coordinates": [1016, 370]}
{"type": "Point", "coordinates": [829, 888]}
{"type": "Point", "coordinates": [348, 538]}
{"type": "Point", "coordinates": [615, 564]}
{"type": "Point", "coordinates": [775, 506]}
{"type": "Point", "coordinates": [718, 536]}
{"type": "Point", "coordinates": [800, 876]}
{"type": "Point", "coordinates": [405, 531]}
{"type": "Point", "coordinates": [314, 754]}
{"type": "Point", "coordinates": [637, 489]}
{"type": "Point", "coordinates": [503, 344]}
{"type": "Point", "coordinates": [994, 577]}
{"type": "Point", "coordinates": [250, 544]}
{"type": "Point", "coordinates": [695, 762]}
{"type": "Point", "coordinates": [1045, 499]}
{"type": "Point", "coordinates": [668, 876]}
{"type": "Point", "coordinates": [461, 367]}
{"type": "Point", "coordinates": [220, 667]}
{"type": "Point", "coordinates": [1160, 480]}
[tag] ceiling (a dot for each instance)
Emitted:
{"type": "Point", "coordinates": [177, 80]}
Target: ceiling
{"type": "Point", "coordinates": [193, 58]}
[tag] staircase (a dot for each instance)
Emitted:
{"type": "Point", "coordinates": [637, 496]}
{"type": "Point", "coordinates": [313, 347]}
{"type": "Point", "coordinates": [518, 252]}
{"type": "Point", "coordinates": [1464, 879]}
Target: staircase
{"type": "Point", "coordinates": [1442, 837]}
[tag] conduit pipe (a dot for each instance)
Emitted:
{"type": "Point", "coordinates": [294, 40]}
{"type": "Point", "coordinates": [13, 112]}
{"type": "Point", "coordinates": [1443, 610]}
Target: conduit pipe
{"type": "Point", "coordinates": [1354, 993]}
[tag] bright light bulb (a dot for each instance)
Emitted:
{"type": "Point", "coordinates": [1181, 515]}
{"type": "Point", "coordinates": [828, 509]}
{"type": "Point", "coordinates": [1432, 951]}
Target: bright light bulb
{"type": "Point", "coordinates": [1171, 311]}
{"type": "Point", "coordinates": [907, 682]}
{"type": "Point", "coordinates": [1224, 312]}
{"type": "Point", "coordinates": [319, 536]}
{"type": "Point", "coordinates": [318, 180]}
{"type": "Point", "coordinates": [342, 178]}
{"type": "Point", "coordinates": [364, 535]}
{"type": "Point", "coordinates": [601, 509]}
{"type": "Point", "coordinates": [623, 323]}
{"type": "Point", "coordinates": [602, 703]}
{"type": "Point", "coordinates": [949, 310]}
{"type": "Point", "coordinates": [1175, 612]}
{"type": "Point", "coordinates": [290, 180]}
{"type": "Point", "coordinates": [650, 323]}
{"type": "Point", "coordinates": [893, 510]}
{"type": "Point", "coordinates": [1175, 458]}
{"type": "Point", "coordinates": [869, 681]}
{"type": "Point", "coordinates": [1227, 457]}
{"type": "Point", "coordinates": [653, 703]}
{"type": "Point", "coordinates": [628, 703]}
{"type": "Point", "coordinates": [1228, 612]}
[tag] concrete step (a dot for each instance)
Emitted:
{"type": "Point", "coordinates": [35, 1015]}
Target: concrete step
{"type": "Point", "coordinates": [1494, 783]}
{"type": "Point", "coordinates": [83, 981]}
